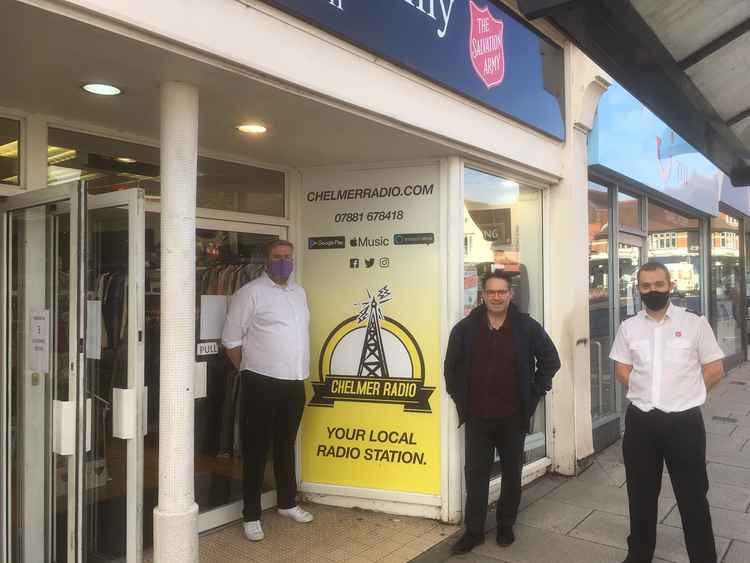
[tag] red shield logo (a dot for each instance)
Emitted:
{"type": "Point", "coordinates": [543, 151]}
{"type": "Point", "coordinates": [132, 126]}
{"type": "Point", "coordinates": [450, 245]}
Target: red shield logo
{"type": "Point", "coordinates": [486, 45]}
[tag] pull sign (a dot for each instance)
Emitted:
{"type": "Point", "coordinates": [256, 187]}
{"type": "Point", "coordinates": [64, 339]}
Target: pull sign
{"type": "Point", "coordinates": [207, 349]}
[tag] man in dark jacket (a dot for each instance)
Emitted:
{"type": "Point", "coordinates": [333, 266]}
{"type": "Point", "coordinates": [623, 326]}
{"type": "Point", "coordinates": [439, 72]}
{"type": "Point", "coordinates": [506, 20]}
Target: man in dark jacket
{"type": "Point", "coordinates": [499, 364]}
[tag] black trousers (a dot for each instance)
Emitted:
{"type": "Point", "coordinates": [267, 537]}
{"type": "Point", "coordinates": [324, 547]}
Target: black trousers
{"type": "Point", "coordinates": [679, 439]}
{"type": "Point", "coordinates": [271, 410]}
{"type": "Point", "coordinates": [482, 438]}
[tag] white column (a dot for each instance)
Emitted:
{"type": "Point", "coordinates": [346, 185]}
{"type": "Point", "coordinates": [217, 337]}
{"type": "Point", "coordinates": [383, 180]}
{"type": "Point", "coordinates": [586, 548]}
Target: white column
{"type": "Point", "coordinates": [452, 437]}
{"type": "Point", "coordinates": [176, 516]}
{"type": "Point", "coordinates": [569, 263]}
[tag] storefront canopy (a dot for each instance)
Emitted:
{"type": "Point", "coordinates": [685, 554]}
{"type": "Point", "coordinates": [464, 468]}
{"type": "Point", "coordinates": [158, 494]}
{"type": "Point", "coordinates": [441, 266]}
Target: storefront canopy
{"type": "Point", "coordinates": [687, 61]}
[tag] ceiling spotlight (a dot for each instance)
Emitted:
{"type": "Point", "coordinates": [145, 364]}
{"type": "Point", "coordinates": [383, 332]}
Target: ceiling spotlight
{"type": "Point", "coordinates": [102, 89]}
{"type": "Point", "coordinates": [126, 160]}
{"type": "Point", "coordinates": [252, 128]}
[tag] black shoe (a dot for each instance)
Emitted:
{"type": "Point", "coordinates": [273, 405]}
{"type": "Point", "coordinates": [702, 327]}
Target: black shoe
{"type": "Point", "coordinates": [505, 536]}
{"type": "Point", "coordinates": [467, 542]}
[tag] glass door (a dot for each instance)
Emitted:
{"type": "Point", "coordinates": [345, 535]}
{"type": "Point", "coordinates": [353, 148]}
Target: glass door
{"type": "Point", "coordinates": [70, 492]}
{"type": "Point", "coordinates": [228, 255]}
{"type": "Point", "coordinates": [39, 375]}
{"type": "Point", "coordinates": [630, 254]}
{"type": "Point", "coordinates": [604, 405]}
{"type": "Point", "coordinates": [114, 393]}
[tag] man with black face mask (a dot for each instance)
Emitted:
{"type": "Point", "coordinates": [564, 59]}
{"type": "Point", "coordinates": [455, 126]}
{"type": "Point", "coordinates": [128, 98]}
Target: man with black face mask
{"type": "Point", "coordinates": [266, 336]}
{"type": "Point", "coordinates": [668, 359]}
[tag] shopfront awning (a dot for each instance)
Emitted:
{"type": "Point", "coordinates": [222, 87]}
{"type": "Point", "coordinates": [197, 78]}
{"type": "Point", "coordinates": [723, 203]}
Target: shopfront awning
{"type": "Point", "coordinates": [687, 61]}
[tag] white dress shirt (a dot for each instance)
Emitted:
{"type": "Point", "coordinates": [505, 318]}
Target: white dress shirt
{"type": "Point", "coordinates": [667, 358]}
{"type": "Point", "coordinates": [271, 322]}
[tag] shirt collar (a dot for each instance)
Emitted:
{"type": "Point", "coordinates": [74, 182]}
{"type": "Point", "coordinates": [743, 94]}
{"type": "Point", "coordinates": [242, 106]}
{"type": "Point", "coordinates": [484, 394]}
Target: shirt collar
{"type": "Point", "coordinates": [290, 285]}
{"type": "Point", "coordinates": [671, 310]}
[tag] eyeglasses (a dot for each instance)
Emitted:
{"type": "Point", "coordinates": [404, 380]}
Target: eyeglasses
{"type": "Point", "coordinates": [496, 292]}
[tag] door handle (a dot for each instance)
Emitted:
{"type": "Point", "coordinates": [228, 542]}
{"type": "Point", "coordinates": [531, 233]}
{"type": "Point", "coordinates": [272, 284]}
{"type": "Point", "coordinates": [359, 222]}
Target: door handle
{"type": "Point", "coordinates": [88, 424]}
{"type": "Point", "coordinates": [124, 413]}
{"type": "Point", "coordinates": [599, 375]}
{"type": "Point", "coordinates": [64, 427]}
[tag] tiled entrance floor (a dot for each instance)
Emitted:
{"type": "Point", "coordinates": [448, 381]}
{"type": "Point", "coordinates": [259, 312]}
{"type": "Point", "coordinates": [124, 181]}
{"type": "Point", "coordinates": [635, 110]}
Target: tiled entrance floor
{"type": "Point", "coordinates": [336, 534]}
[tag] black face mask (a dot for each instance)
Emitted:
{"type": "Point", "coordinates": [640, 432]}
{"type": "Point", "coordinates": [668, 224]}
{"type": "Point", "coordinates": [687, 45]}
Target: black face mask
{"type": "Point", "coordinates": [655, 300]}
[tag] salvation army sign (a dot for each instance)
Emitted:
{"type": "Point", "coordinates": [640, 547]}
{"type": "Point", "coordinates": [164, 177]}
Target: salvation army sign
{"type": "Point", "coordinates": [477, 48]}
{"type": "Point", "coordinates": [486, 46]}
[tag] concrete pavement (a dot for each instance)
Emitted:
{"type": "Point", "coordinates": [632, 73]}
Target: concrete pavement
{"type": "Point", "coordinates": [584, 519]}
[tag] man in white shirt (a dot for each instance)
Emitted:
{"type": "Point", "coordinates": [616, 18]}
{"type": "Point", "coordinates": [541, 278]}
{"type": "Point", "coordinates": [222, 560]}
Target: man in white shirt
{"type": "Point", "coordinates": [668, 358]}
{"type": "Point", "coordinates": [266, 337]}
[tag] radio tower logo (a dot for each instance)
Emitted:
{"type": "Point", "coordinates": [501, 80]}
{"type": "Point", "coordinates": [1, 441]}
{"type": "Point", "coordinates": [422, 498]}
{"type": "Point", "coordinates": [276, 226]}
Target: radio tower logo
{"type": "Point", "coordinates": [372, 358]}
{"type": "Point", "coordinates": [373, 362]}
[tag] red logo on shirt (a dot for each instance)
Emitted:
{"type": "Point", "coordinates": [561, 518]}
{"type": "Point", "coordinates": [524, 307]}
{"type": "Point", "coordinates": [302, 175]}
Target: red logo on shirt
{"type": "Point", "coordinates": [678, 333]}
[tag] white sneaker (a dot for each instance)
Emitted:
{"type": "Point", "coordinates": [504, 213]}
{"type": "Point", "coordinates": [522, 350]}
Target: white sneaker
{"type": "Point", "coordinates": [253, 530]}
{"type": "Point", "coordinates": [296, 513]}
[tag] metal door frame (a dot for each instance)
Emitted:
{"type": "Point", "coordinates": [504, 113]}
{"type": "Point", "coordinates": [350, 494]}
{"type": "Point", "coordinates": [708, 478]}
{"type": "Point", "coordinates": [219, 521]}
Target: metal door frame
{"type": "Point", "coordinates": [79, 204]}
{"type": "Point", "coordinates": [64, 193]}
{"type": "Point", "coordinates": [133, 201]}
{"type": "Point", "coordinates": [231, 512]}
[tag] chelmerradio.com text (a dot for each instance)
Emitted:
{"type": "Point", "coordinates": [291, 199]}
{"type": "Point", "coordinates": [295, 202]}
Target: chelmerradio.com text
{"type": "Point", "coordinates": [372, 193]}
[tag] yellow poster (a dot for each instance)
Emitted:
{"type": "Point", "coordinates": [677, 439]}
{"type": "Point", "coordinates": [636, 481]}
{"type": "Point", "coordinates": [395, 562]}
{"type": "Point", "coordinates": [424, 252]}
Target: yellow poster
{"type": "Point", "coordinates": [373, 281]}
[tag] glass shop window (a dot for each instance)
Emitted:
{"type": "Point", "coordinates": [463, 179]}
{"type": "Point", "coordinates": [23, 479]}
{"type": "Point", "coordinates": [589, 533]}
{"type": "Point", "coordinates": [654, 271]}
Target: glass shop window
{"type": "Point", "coordinates": [10, 152]}
{"type": "Point", "coordinates": [503, 231]}
{"type": "Point", "coordinates": [108, 165]}
{"type": "Point", "coordinates": [674, 239]}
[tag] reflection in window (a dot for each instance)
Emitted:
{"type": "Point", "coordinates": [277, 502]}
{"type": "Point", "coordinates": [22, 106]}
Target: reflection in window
{"type": "Point", "coordinates": [503, 231]}
{"type": "Point", "coordinates": [629, 211]}
{"type": "Point", "coordinates": [674, 240]}
{"type": "Point", "coordinates": [10, 136]}
{"type": "Point", "coordinates": [603, 385]}
{"type": "Point", "coordinates": [108, 165]}
{"type": "Point", "coordinates": [726, 282]}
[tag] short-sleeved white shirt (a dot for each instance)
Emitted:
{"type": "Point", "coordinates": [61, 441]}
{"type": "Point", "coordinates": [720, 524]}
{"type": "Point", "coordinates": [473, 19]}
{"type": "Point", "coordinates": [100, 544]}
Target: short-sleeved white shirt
{"type": "Point", "coordinates": [272, 324]}
{"type": "Point", "coordinates": [667, 358]}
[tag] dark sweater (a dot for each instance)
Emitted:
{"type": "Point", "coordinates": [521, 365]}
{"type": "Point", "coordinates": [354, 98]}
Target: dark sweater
{"type": "Point", "coordinates": [538, 361]}
{"type": "Point", "coordinates": [494, 377]}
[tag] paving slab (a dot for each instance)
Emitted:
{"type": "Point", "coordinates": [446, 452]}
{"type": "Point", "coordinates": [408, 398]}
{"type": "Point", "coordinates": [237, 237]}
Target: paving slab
{"type": "Point", "coordinates": [601, 497]}
{"type": "Point", "coordinates": [728, 475]}
{"type": "Point", "coordinates": [470, 558]}
{"type": "Point", "coordinates": [610, 473]}
{"type": "Point", "coordinates": [741, 432]}
{"type": "Point", "coordinates": [727, 523]}
{"type": "Point", "coordinates": [715, 427]}
{"type": "Point", "coordinates": [739, 552]}
{"type": "Point", "coordinates": [613, 529]}
{"type": "Point", "coordinates": [722, 455]}
{"type": "Point", "coordinates": [533, 545]}
{"type": "Point", "coordinates": [724, 444]}
{"type": "Point", "coordinates": [553, 516]}
{"type": "Point", "coordinates": [540, 488]}
{"type": "Point", "coordinates": [611, 453]}
{"type": "Point", "coordinates": [729, 497]}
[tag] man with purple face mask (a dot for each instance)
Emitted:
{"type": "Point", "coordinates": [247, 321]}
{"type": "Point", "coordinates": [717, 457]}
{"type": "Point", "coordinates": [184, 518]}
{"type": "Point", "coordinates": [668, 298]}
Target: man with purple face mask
{"type": "Point", "coordinates": [266, 336]}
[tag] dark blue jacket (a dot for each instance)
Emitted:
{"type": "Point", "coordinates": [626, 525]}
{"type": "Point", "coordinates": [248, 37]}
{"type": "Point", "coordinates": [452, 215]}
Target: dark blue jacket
{"type": "Point", "coordinates": [538, 360]}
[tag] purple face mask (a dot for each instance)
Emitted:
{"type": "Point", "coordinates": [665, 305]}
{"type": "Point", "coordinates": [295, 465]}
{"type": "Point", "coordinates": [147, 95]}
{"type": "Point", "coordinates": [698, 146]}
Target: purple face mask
{"type": "Point", "coordinates": [280, 269]}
